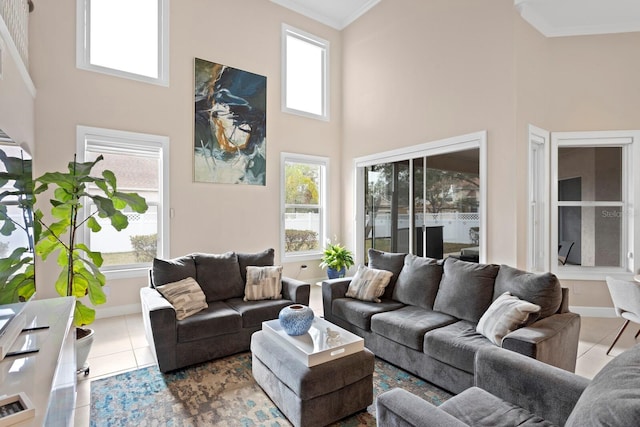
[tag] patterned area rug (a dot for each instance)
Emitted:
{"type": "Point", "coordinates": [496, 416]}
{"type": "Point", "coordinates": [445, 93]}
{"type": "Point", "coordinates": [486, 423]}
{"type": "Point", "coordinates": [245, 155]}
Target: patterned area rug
{"type": "Point", "coordinates": [221, 393]}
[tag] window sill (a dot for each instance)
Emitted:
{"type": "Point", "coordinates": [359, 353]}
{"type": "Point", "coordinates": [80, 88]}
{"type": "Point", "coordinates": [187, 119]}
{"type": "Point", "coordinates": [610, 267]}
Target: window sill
{"type": "Point", "coordinates": [127, 273]}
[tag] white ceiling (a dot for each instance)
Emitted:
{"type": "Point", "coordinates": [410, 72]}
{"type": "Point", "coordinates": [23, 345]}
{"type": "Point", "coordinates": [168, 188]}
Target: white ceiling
{"type": "Point", "coordinates": [552, 18]}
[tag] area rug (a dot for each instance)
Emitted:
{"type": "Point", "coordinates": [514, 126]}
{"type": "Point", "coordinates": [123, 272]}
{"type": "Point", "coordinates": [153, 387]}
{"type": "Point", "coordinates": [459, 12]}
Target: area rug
{"type": "Point", "coordinates": [219, 393]}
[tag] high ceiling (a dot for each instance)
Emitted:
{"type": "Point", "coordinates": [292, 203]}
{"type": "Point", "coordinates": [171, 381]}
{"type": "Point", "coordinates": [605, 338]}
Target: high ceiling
{"type": "Point", "coordinates": [552, 18]}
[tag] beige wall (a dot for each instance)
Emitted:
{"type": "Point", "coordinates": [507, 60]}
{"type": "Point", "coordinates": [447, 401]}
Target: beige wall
{"type": "Point", "coordinates": [405, 73]}
{"type": "Point", "coordinates": [208, 217]}
{"type": "Point", "coordinates": [436, 69]}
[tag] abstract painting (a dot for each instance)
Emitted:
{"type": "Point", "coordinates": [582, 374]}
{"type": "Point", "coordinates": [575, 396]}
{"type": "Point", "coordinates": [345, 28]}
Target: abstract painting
{"type": "Point", "coordinates": [230, 125]}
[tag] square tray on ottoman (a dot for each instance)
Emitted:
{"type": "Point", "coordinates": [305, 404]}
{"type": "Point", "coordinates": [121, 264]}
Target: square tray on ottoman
{"type": "Point", "coordinates": [312, 396]}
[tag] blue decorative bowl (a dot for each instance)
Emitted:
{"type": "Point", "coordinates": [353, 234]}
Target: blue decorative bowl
{"type": "Point", "coordinates": [332, 273]}
{"type": "Point", "coordinates": [296, 319]}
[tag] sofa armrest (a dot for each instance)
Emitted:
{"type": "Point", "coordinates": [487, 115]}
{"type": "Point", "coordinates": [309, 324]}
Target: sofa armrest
{"type": "Point", "coordinates": [399, 408]}
{"type": "Point", "coordinates": [296, 290]}
{"type": "Point", "coordinates": [544, 390]}
{"type": "Point", "coordinates": [160, 325]}
{"type": "Point", "coordinates": [553, 340]}
{"type": "Point", "coordinates": [333, 289]}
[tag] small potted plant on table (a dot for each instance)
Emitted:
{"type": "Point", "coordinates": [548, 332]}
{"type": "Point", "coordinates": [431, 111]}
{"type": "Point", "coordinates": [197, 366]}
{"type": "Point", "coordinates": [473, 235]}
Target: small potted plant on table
{"type": "Point", "coordinates": [336, 259]}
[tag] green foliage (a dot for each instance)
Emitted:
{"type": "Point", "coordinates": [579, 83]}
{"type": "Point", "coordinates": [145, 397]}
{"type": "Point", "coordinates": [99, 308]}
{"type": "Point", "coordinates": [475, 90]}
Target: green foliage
{"type": "Point", "coordinates": [145, 247]}
{"type": "Point", "coordinates": [300, 240]}
{"type": "Point", "coordinates": [336, 256]}
{"type": "Point", "coordinates": [80, 274]}
{"type": "Point", "coordinates": [301, 184]}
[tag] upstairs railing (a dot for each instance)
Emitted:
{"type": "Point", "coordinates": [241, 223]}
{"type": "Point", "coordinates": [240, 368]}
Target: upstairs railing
{"type": "Point", "coordinates": [15, 14]}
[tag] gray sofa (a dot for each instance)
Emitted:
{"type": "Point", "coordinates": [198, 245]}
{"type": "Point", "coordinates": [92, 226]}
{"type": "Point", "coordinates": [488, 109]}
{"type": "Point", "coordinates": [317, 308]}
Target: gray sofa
{"type": "Point", "coordinates": [511, 389]}
{"type": "Point", "coordinates": [226, 326]}
{"type": "Point", "coordinates": [426, 320]}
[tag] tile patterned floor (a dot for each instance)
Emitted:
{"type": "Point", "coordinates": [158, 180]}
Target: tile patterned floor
{"type": "Point", "coordinates": [120, 345]}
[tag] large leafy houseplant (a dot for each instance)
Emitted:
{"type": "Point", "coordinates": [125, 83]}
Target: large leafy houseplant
{"type": "Point", "coordinates": [336, 258]}
{"type": "Point", "coordinates": [80, 274]}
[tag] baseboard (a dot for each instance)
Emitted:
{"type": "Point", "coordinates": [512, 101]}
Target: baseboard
{"type": "Point", "coordinates": [120, 310]}
{"type": "Point", "coordinates": [593, 311]}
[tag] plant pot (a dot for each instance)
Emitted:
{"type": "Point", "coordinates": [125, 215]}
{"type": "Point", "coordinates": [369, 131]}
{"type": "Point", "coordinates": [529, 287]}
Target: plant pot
{"type": "Point", "coordinates": [84, 339]}
{"type": "Point", "coordinates": [332, 273]}
{"type": "Point", "coordinates": [296, 319]}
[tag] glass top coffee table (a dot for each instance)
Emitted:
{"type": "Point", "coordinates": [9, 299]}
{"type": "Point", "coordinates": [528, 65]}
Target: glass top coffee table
{"type": "Point", "coordinates": [324, 341]}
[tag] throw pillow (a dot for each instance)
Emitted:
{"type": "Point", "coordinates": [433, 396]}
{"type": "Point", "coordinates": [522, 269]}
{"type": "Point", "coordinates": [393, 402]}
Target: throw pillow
{"type": "Point", "coordinates": [219, 276]}
{"type": "Point", "coordinates": [171, 270]}
{"type": "Point", "coordinates": [506, 314]}
{"type": "Point", "coordinates": [542, 289]}
{"type": "Point", "coordinates": [259, 259]}
{"type": "Point", "coordinates": [418, 281]}
{"type": "Point", "coordinates": [466, 289]}
{"type": "Point", "coordinates": [263, 283]}
{"type": "Point", "coordinates": [368, 284]}
{"type": "Point", "coordinates": [389, 261]}
{"type": "Point", "coordinates": [185, 296]}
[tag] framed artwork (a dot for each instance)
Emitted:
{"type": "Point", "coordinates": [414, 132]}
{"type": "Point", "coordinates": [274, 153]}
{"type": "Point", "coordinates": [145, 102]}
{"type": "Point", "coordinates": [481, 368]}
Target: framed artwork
{"type": "Point", "coordinates": [230, 125]}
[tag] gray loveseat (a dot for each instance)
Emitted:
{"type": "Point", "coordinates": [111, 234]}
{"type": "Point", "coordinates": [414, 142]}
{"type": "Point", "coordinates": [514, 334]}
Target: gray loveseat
{"type": "Point", "coordinates": [426, 320]}
{"type": "Point", "coordinates": [511, 389]}
{"type": "Point", "coordinates": [226, 326]}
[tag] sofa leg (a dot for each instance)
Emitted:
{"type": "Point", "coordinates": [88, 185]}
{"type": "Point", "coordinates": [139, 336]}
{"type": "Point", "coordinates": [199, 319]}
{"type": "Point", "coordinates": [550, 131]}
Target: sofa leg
{"type": "Point", "coordinates": [618, 336]}
{"type": "Point", "coordinates": [637, 333]}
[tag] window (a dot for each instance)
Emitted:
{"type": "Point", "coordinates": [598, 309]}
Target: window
{"type": "Point", "coordinates": [592, 196]}
{"type": "Point", "coordinates": [538, 213]}
{"type": "Point", "coordinates": [140, 164]}
{"type": "Point", "coordinates": [589, 233]}
{"type": "Point", "coordinates": [125, 38]}
{"type": "Point", "coordinates": [304, 206]}
{"type": "Point", "coordinates": [427, 200]}
{"type": "Point", "coordinates": [305, 82]}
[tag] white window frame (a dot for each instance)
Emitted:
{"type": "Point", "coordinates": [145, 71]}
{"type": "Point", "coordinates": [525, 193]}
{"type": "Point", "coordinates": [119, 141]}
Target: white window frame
{"type": "Point", "coordinates": [288, 30]}
{"type": "Point", "coordinates": [132, 141]}
{"type": "Point", "coordinates": [83, 47]}
{"type": "Point", "coordinates": [449, 145]}
{"type": "Point", "coordinates": [324, 205]}
{"type": "Point", "coordinates": [538, 200]}
{"type": "Point", "coordinates": [629, 141]}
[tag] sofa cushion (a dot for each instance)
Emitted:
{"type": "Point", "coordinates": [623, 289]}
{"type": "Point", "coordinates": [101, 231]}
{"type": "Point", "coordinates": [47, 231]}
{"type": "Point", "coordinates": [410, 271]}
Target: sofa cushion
{"type": "Point", "coordinates": [466, 289]}
{"type": "Point", "coordinates": [506, 314]}
{"type": "Point", "coordinates": [407, 325]}
{"type": "Point", "coordinates": [185, 296]}
{"type": "Point", "coordinates": [260, 259]}
{"type": "Point", "coordinates": [166, 271]}
{"type": "Point", "coordinates": [263, 283]}
{"type": "Point", "coordinates": [368, 284]}
{"type": "Point", "coordinates": [389, 261]}
{"type": "Point", "coordinates": [255, 312]}
{"type": "Point", "coordinates": [455, 344]}
{"type": "Point", "coordinates": [219, 276]}
{"type": "Point", "coordinates": [477, 407]}
{"type": "Point", "coordinates": [418, 281]}
{"type": "Point", "coordinates": [542, 289]}
{"type": "Point", "coordinates": [613, 396]}
{"type": "Point", "coordinates": [217, 319]}
{"type": "Point", "coordinates": [359, 313]}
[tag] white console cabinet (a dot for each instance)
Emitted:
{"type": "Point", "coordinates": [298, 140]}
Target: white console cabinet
{"type": "Point", "coordinates": [48, 376]}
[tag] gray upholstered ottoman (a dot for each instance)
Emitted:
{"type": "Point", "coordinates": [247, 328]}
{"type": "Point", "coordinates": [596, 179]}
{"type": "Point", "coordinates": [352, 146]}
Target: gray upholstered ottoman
{"type": "Point", "coordinates": [314, 396]}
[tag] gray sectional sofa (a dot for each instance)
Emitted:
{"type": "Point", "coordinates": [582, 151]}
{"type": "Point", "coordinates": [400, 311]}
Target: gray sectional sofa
{"type": "Point", "coordinates": [511, 390]}
{"type": "Point", "coordinates": [226, 326]}
{"type": "Point", "coordinates": [426, 320]}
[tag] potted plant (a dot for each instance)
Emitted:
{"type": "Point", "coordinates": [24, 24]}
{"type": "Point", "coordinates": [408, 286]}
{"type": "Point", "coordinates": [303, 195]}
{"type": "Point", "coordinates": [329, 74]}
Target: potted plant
{"type": "Point", "coordinates": [80, 274]}
{"type": "Point", "coordinates": [336, 259]}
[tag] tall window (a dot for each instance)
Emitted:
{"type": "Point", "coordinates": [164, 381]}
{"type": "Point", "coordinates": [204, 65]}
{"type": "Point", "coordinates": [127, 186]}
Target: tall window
{"type": "Point", "coordinates": [304, 206]}
{"type": "Point", "coordinates": [592, 194]}
{"type": "Point", "coordinates": [126, 38]}
{"type": "Point", "coordinates": [426, 200]}
{"type": "Point", "coordinates": [305, 81]}
{"type": "Point", "coordinates": [140, 164]}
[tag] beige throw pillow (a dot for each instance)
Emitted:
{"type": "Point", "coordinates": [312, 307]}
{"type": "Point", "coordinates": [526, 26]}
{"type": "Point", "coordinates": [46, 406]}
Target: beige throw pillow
{"type": "Point", "coordinates": [368, 284]}
{"type": "Point", "coordinates": [506, 314]}
{"type": "Point", "coordinates": [263, 283]}
{"type": "Point", "coordinates": [185, 296]}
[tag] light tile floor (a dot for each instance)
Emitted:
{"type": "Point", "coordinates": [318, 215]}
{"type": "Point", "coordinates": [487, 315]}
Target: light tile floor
{"type": "Point", "coordinates": [120, 346]}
